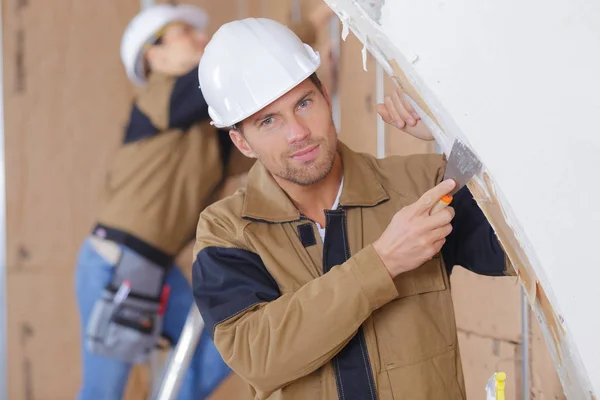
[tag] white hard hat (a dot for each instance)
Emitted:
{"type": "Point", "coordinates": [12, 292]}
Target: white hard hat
{"type": "Point", "coordinates": [145, 25]}
{"type": "Point", "coordinates": [250, 63]}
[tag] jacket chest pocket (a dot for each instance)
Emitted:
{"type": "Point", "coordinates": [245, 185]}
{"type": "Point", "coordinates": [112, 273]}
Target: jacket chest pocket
{"type": "Point", "coordinates": [307, 387]}
{"type": "Point", "coordinates": [419, 323]}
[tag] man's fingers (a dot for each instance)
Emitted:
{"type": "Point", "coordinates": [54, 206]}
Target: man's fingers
{"type": "Point", "coordinates": [437, 246]}
{"type": "Point", "coordinates": [385, 114]}
{"type": "Point", "coordinates": [428, 200]}
{"type": "Point", "coordinates": [397, 121]}
{"type": "Point", "coordinates": [441, 233]}
{"type": "Point", "coordinates": [440, 218]}
{"type": "Point", "coordinates": [409, 107]}
{"type": "Point", "coordinates": [404, 114]}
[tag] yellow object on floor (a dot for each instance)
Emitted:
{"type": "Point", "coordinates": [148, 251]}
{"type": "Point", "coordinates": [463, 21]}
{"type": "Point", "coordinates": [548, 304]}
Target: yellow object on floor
{"type": "Point", "coordinates": [495, 386]}
{"type": "Point", "coordinates": [500, 378]}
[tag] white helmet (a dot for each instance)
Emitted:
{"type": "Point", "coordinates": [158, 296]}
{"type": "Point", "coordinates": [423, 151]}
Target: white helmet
{"type": "Point", "coordinates": [145, 25]}
{"type": "Point", "coordinates": [248, 64]}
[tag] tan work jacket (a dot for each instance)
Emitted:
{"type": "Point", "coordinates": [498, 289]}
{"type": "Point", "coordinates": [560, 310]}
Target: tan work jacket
{"type": "Point", "coordinates": [302, 319]}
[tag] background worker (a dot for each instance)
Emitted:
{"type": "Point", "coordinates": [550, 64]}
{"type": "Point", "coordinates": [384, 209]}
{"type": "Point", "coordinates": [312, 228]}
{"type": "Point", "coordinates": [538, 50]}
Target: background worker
{"type": "Point", "coordinates": [170, 166]}
{"type": "Point", "coordinates": [327, 277]}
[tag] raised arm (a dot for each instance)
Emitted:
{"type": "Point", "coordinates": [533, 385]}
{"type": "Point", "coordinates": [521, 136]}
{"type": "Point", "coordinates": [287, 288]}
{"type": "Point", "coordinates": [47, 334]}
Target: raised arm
{"type": "Point", "coordinates": [270, 338]}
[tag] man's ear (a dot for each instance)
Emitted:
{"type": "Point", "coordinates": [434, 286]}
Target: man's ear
{"type": "Point", "coordinates": [241, 143]}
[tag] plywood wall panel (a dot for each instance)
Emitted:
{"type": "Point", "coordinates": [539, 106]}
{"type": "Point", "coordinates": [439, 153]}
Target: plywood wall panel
{"type": "Point", "coordinates": [489, 307]}
{"type": "Point", "coordinates": [482, 357]}
{"type": "Point", "coordinates": [279, 10]}
{"type": "Point", "coordinates": [357, 98]}
{"type": "Point", "coordinates": [66, 101]}
{"type": "Point", "coordinates": [43, 337]}
{"type": "Point", "coordinates": [544, 379]}
{"type": "Point", "coordinates": [219, 12]}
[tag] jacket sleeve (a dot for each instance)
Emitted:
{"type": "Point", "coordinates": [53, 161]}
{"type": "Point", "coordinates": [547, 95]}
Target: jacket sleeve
{"type": "Point", "coordinates": [139, 126]}
{"type": "Point", "coordinates": [473, 243]}
{"type": "Point", "coordinates": [166, 104]}
{"type": "Point", "coordinates": [187, 105]}
{"type": "Point", "coordinates": [272, 338]}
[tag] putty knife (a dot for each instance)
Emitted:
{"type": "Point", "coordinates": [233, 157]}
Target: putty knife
{"type": "Point", "coordinates": [462, 165]}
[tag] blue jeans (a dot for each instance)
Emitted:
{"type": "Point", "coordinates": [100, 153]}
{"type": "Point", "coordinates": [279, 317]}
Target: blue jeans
{"type": "Point", "coordinates": [105, 378]}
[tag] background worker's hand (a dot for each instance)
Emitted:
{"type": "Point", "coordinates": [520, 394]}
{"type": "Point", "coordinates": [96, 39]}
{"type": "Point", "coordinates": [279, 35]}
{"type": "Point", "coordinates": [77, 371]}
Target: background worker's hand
{"type": "Point", "coordinates": [398, 112]}
{"type": "Point", "coordinates": [413, 236]}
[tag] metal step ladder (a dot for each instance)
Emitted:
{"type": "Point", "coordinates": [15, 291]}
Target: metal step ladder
{"type": "Point", "coordinates": [166, 382]}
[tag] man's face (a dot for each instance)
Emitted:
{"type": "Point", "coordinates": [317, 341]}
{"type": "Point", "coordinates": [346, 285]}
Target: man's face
{"type": "Point", "coordinates": [179, 36]}
{"type": "Point", "coordinates": [294, 137]}
{"type": "Point", "coordinates": [178, 50]}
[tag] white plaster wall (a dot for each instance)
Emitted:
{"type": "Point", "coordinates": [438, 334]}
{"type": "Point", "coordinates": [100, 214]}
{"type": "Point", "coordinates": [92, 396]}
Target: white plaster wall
{"type": "Point", "coordinates": [520, 81]}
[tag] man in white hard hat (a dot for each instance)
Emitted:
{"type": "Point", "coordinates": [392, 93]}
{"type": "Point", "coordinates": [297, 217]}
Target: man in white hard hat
{"type": "Point", "coordinates": [327, 277]}
{"type": "Point", "coordinates": [171, 165]}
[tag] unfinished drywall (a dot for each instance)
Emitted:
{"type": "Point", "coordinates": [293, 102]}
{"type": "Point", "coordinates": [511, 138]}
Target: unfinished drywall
{"type": "Point", "coordinates": [488, 319]}
{"type": "Point", "coordinates": [524, 99]}
{"type": "Point", "coordinates": [65, 100]}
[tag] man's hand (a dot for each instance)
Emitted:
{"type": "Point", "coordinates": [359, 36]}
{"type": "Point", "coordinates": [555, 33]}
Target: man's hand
{"type": "Point", "coordinates": [398, 112]}
{"type": "Point", "coordinates": [413, 236]}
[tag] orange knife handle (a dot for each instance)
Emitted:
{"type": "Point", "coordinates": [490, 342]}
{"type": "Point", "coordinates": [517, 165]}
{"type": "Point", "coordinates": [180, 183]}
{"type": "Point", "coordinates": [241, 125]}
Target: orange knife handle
{"type": "Point", "coordinates": [441, 204]}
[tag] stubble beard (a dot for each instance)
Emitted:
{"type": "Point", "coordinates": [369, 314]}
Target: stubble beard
{"type": "Point", "coordinates": [309, 173]}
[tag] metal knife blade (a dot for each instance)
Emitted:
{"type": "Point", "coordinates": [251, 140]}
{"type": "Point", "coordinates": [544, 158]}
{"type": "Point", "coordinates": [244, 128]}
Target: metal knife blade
{"type": "Point", "coordinates": [462, 165]}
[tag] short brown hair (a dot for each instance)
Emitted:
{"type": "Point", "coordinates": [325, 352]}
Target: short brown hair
{"type": "Point", "coordinates": [313, 78]}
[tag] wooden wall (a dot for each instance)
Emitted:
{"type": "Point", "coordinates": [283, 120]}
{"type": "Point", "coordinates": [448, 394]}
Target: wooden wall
{"type": "Point", "coordinates": [66, 100]}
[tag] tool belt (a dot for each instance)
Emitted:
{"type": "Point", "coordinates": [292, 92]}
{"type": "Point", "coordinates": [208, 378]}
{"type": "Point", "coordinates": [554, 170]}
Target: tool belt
{"type": "Point", "coordinates": [136, 244]}
{"type": "Point", "coordinates": [127, 320]}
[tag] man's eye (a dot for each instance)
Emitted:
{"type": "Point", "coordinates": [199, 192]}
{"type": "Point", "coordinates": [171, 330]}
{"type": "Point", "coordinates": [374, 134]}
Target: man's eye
{"type": "Point", "coordinates": [304, 103]}
{"type": "Point", "coordinates": [268, 121]}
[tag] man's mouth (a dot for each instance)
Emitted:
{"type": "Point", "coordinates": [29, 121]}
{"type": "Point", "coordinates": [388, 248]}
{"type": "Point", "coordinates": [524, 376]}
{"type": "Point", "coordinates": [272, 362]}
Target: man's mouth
{"type": "Point", "coordinates": [306, 154]}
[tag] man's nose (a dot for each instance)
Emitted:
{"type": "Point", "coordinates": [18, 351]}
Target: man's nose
{"type": "Point", "coordinates": [297, 130]}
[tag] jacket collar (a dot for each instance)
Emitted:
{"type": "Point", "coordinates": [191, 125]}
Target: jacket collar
{"type": "Point", "coordinates": [266, 201]}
